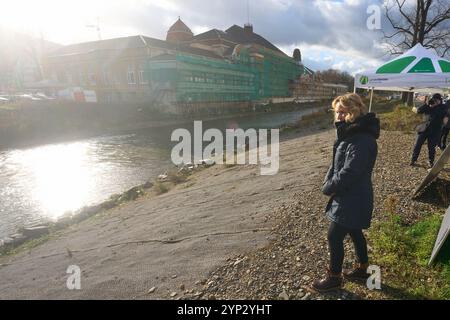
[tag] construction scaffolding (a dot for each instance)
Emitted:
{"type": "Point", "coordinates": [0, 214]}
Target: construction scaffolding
{"type": "Point", "coordinates": [272, 69]}
{"type": "Point", "coordinates": [254, 73]}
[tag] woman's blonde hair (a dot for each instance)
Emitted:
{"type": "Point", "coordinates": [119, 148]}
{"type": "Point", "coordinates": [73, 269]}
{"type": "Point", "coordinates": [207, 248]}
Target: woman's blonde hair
{"type": "Point", "coordinates": [354, 105]}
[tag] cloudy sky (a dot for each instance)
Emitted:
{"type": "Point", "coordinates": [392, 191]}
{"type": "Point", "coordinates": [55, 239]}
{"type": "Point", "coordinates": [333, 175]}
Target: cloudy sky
{"type": "Point", "coordinates": [330, 33]}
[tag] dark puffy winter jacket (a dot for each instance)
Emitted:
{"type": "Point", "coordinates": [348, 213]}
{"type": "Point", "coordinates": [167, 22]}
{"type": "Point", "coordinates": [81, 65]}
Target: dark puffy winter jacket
{"type": "Point", "coordinates": [349, 179]}
{"type": "Point", "coordinates": [436, 117]}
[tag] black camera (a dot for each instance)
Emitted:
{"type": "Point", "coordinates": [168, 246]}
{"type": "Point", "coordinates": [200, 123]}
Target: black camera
{"type": "Point", "coordinates": [432, 102]}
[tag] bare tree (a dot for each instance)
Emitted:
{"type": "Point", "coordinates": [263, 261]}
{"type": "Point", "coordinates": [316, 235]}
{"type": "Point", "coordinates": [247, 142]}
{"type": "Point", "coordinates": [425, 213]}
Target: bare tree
{"type": "Point", "coordinates": [418, 21]}
{"type": "Point", "coordinates": [336, 76]}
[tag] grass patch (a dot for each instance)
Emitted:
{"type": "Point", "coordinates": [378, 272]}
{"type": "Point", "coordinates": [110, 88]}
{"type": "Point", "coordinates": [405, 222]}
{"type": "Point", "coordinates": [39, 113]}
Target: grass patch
{"type": "Point", "coordinates": [160, 187]}
{"type": "Point", "coordinates": [403, 253]}
{"type": "Point", "coordinates": [176, 177]}
{"type": "Point", "coordinates": [401, 118]}
{"type": "Point", "coordinates": [28, 245]}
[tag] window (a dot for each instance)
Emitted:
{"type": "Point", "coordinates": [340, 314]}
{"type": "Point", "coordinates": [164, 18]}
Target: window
{"type": "Point", "coordinates": [142, 79]}
{"type": "Point", "coordinates": [142, 75]}
{"type": "Point", "coordinates": [131, 77]}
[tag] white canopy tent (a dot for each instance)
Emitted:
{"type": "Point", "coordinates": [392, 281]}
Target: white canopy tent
{"type": "Point", "coordinates": [416, 70]}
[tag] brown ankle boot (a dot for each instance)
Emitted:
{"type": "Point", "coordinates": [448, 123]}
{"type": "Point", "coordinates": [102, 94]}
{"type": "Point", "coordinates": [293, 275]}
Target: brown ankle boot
{"type": "Point", "coordinates": [359, 273]}
{"type": "Point", "coordinates": [331, 282]}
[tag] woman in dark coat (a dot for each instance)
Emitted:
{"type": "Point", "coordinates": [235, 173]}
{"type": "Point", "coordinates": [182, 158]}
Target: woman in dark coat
{"type": "Point", "coordinates": [349, 185]}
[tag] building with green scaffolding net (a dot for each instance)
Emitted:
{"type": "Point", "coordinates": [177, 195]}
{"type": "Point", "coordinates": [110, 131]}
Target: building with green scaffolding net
{"type": "Point", "coordinates": [253, 73]}
{"type": "Point", "coordinates": [246, 68]}
{"type": "Point", "coordinates": [224, 69]}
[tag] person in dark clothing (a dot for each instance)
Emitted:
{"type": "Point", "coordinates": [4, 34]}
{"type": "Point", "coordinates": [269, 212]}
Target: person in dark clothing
{"type": "Point", "coordinates": [429, 131]}
{"type": "Point", "coordinates": [348, 182]}
{"type": "Point", "coordinates": [446, 128]}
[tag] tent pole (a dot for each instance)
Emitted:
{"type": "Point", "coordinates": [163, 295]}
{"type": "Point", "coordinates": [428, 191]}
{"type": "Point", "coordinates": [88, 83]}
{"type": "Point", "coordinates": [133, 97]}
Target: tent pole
{"type": "Point", "coordinates": [371, 97]}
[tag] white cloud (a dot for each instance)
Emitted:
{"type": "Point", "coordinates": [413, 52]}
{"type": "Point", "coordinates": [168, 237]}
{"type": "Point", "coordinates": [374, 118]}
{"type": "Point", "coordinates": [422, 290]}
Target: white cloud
{"type": "Point", "coordinates": [353, 2]}
{"type": "Point", "coordinates": [319, 57]}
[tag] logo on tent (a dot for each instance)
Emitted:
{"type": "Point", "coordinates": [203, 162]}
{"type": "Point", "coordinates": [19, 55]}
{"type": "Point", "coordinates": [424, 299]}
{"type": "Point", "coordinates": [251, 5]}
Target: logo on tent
{"type": "Point", "coordinates": [364, 79]}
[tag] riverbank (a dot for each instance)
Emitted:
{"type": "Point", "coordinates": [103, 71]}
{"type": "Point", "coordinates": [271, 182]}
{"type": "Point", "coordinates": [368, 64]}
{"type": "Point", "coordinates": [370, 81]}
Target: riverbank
{"type": "Point", "coordinates": [30, 124]}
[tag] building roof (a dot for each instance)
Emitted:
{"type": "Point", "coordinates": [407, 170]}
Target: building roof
{"type": "Point", "coordinates": [180, 26]}
{"type": "Point", "coordinates": [109, 44]}
{"type": "Point", "coordinates": [234, 34]}
{"type": "Point", "coordinates": [239, 35]}
{"type": "Point", "coordinates": [213, 34]}
{"type": "Point", "coordinates": [127, 43]}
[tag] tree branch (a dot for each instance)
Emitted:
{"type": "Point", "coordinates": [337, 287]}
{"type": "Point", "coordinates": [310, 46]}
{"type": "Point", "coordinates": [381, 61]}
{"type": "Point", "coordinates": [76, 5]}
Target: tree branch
{"type": "Point", "coordinates": [437, 20]}
{"type": "Point", "coordinates": [400, 6]}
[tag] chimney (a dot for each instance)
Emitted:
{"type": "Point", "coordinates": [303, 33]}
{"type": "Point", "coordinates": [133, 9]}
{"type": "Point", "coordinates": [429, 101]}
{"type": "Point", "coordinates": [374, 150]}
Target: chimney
{"type": "Point", "coordinates": [248, 28]}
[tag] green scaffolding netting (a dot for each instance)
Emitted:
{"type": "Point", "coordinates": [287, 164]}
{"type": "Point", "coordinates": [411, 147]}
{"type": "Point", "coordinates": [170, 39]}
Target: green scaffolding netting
{"type": "Point", "coordinates": [203, 79]}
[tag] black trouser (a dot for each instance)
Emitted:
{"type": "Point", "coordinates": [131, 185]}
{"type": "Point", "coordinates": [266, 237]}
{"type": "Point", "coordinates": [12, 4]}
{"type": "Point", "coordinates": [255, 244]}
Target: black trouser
{"type": "Point", "coordinates": [432, 141]}
{"type": "Point", "coordinates": [443, 138]}
{"type": "Point", "coordinates": [336, 236]}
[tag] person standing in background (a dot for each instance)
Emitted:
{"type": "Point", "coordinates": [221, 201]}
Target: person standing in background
{"type": "Point", "coordinates": [430, 130]}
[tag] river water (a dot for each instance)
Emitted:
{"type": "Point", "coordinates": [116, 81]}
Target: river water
{"type": "Point", "coordinates": [40, 184]}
